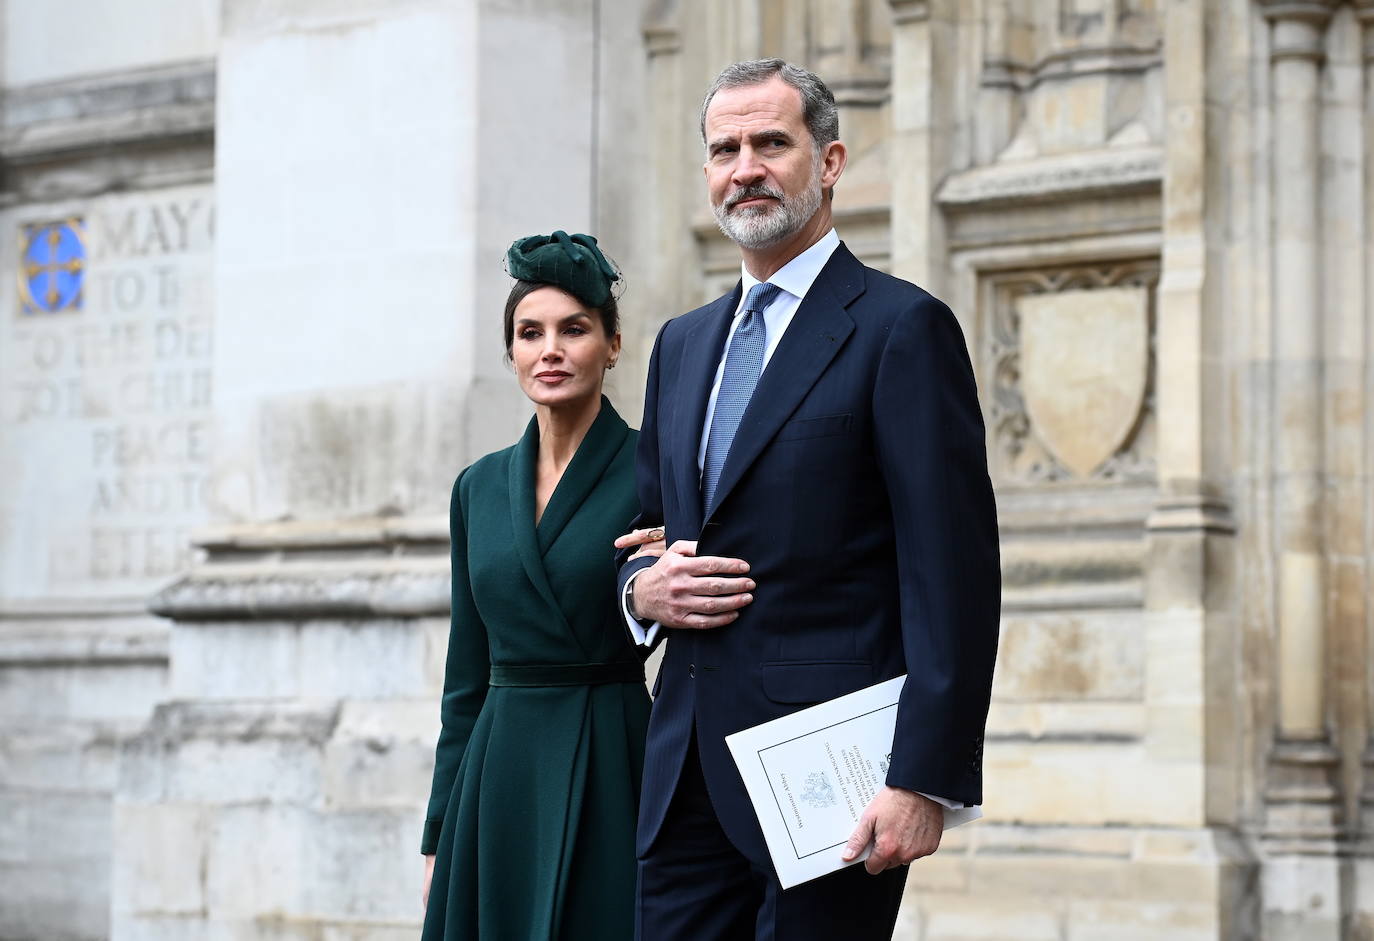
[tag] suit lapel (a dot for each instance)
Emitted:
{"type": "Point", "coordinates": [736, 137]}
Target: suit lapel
{"type": "Point", "coordinates": [701, 354]}
{"type": "Point", "coordinates": [818, 330]}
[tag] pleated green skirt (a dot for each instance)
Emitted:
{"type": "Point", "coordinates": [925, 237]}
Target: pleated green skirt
{"type": "Point", "coordinates": [538, 841]}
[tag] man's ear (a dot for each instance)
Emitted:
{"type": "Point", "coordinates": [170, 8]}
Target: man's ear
{"type": "Point", "coordinates": [833, 160]}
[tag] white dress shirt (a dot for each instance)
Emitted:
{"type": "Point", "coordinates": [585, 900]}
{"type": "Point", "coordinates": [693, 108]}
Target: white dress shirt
{"type": "Point", "coordinates": [795, 279]}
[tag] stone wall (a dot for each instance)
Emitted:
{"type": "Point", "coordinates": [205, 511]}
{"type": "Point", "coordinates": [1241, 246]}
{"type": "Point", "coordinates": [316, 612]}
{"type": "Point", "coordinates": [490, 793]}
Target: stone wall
{"type": "Point", "coordinates": [1153, 221]}
{"type": "Point", "coordinates": [106, 402]}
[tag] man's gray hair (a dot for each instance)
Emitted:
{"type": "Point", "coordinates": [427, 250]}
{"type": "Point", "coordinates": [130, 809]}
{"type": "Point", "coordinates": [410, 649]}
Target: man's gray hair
{"type": "Point", "coordinates": [818, 104]}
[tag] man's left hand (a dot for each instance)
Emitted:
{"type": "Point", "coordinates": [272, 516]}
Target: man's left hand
{"type": "Point", "coordinates": [902, 825]}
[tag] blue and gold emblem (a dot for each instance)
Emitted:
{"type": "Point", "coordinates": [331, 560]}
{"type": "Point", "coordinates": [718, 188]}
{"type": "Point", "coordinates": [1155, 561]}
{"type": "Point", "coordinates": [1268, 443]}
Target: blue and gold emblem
{"type": "Point", "coordinates": [52, 266]}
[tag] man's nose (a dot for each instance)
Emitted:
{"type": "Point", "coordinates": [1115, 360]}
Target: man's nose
{"type": "Point", "coordinates": [748, 168]}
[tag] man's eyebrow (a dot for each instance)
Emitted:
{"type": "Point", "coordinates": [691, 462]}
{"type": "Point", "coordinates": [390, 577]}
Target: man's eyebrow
{"type": "Point", "coordinates": [767, 134]}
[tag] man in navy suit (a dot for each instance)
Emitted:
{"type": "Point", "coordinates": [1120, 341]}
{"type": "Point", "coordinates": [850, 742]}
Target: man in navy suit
{"type": "Point", "coordinates": [813, 446]}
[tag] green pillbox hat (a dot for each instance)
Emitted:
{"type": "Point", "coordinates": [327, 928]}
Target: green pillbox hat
{"type": "Point", "coordinates": [570, 262]}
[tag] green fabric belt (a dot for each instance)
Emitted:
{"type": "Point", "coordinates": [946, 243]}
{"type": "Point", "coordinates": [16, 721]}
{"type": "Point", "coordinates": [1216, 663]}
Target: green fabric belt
{"type": "Point", "coordinates": [566, 674]}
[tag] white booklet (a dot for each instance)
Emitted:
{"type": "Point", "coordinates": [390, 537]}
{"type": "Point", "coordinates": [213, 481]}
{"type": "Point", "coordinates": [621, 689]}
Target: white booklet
{"type": "Point", "coordinates": [811, 774]}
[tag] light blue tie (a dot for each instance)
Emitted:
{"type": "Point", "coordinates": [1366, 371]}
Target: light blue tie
{"type": "Point", "coordinates": [743, 364]}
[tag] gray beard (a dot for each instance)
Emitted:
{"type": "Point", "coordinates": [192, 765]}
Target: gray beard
{"type": "Point", "coordinates": [760, 228]}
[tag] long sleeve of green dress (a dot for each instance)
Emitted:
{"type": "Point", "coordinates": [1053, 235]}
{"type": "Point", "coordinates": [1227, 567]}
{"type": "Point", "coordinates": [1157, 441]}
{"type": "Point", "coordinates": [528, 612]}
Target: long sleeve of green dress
{"type": "Point", "coordinates": [466, 673]}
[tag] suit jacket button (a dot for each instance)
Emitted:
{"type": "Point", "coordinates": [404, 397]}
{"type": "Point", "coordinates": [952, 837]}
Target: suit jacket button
{"type": "Point", "coordinates": [692, 670]}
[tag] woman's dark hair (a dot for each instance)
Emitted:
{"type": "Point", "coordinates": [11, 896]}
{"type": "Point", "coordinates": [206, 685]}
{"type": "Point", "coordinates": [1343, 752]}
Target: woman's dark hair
{"type": "Point", "coordinates": [609, 312]}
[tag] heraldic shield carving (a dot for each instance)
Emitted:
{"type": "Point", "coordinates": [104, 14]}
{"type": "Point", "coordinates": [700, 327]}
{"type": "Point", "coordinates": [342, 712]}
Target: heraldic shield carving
{"type": "Point", "coordinates": [1084, 370]}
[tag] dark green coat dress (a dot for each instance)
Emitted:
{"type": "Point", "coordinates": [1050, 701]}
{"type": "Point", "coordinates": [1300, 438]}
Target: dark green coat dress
{"type": "Point", "coordinates": [537, 770]}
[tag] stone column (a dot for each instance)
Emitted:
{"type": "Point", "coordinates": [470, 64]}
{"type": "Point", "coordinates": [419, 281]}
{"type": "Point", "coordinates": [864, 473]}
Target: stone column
{"type": "Point", "coordinates": [1365, 12]}
{"type": "Point", "coordinates": [1301, 793]}
{"type": "Point", "coordinates": [674, 136]}
{"type": "Point", "coordinates": [918, 31]}
{"type": "Point", "coordinates": [1189, 568]}
{"type": "Point", "coordinates": [999, 108]}
{"type": "Point", "coordinates": [1301, 883]}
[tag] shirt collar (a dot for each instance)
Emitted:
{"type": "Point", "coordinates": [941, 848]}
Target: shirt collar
{"type": "Point", "coordinates": [797, 276]}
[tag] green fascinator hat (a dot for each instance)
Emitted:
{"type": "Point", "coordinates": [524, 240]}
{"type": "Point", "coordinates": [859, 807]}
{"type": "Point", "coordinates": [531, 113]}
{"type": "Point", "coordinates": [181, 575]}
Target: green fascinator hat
{"type": "Point", "coordinates": [570, 262]}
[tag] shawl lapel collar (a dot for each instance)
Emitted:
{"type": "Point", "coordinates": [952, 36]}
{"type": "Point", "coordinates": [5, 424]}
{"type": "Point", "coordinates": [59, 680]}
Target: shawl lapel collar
{"type": "Point", "coordinates": [603, 441]}
{"type": "Point", "coordinates": [818, 330]}
{"type": "Point", "coordinates": [521, 487]}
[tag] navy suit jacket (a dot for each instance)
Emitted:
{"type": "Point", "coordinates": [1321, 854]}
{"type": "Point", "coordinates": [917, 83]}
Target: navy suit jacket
{"type": "Point", "coordinates": [857, 490]}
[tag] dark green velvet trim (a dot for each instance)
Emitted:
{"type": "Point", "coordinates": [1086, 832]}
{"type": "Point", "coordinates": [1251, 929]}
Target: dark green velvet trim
{"type": "Point", "coordinates": [429, 843]}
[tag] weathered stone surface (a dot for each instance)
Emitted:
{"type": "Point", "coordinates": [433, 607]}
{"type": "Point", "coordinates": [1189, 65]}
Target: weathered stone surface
{"type": "Point", "coordinates": [160, 866]}
{"type": "Point", "coordinates": [1083, 368]}
{"type": "Point", "coordinates": [1059, 658]}
{"type": "Point", "coordinates": [1179, 580]}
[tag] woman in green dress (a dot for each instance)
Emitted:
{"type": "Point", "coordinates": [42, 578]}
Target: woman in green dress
{"type": "Point", "coordinates": [530, 828]}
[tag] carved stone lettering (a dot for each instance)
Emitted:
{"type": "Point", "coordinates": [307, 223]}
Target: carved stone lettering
{"type": "Point", "coordinates": [107, 408]}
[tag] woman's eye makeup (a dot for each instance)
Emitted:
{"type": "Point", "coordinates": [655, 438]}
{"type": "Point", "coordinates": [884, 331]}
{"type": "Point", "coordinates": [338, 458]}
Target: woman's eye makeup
{"type": "Point", "coordinates": [574, 329]}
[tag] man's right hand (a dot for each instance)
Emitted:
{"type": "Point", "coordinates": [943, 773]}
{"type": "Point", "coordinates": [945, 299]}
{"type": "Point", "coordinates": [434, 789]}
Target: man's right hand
{"type": "Point", "coordinates": [684, 590]}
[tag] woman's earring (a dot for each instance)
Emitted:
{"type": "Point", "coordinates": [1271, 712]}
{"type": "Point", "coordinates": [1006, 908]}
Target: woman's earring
{"type": "Point", "coordinates": [611, 364]}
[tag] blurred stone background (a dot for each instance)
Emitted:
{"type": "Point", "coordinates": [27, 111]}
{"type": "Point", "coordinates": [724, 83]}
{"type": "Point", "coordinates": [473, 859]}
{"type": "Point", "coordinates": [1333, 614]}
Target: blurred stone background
{"type": "Point", "coordinates": [252, 335]}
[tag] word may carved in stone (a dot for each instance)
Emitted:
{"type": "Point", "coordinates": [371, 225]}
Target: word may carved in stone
{"type": "Point", "coordinates": [174, 226]}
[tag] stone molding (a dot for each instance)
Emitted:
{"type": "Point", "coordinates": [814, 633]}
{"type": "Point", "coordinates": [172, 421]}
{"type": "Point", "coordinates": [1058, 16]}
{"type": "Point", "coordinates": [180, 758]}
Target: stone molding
{"type": "Point", "coordinates": [296, 723]}
{"type": "Point", "coordinates": [1070, 63]}
{"type": "Point", "coordinates": [1198, 513]}
{"type": "Point", "coordinates": [1364, 12]}
{"type": "Point", "coordinates": [400, 569]}
{"type": "Point", "coordinates": [1302, 799]}
{"type": "Point", "coordinates": [46, 645]}
{"type": "Point", "coordinates": [1317, 12]}
{"type": "Point", "coordinates": [371, 568]}
{"type": "Point", "coordinates": [1052, 179]}
{"type": "Point", "coordinates": [662, 40]}
{"type": "Point", "coordinates": [288, 592]}
{"type": "Point", "coordinates": [1053, 574]}
{"type": "Point", "coordinates": [909, 11]}
{"type": "Point", "coordinates": [1299, 28]}
{"type": "Point", "coordinates": [861, 92]}
{"type": "Point", "coordinates": [94, 631]}
{"type": "Point", "coordinates": [57, 120]}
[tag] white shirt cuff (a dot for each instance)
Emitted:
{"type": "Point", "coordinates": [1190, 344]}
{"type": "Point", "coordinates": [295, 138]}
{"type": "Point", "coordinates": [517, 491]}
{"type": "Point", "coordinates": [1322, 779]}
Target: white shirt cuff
{"type": "Point", "coordinates": [644, 636]}
{"type": "Point", "coordinates": [955, 812]}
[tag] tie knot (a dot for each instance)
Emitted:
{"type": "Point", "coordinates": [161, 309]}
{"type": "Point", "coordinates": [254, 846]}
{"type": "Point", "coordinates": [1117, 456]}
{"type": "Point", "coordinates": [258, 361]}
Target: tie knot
{"type": "Point", "coordinates": [760, 296]}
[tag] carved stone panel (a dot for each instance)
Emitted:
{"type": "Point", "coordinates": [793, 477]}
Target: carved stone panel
{"type": "Point", "coordinates": [1068, 359]}
{"type": "Point", "coordinates": [106, 354]}
{"type": "Point", "coordinates": [1083, 368]}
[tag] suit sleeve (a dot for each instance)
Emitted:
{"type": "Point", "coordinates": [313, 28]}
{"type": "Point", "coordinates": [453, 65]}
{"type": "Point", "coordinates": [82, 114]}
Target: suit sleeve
{"type": "Point", "coordinates": [931, 449]}
{"type": "Point", "coordinates": [467, 670]}
{"type": "Point", "coordinates": [647, 484]}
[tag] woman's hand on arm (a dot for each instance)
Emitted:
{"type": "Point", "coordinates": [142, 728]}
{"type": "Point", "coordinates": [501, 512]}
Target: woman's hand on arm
{"type": "Point", "coordinates": [650, 541]}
